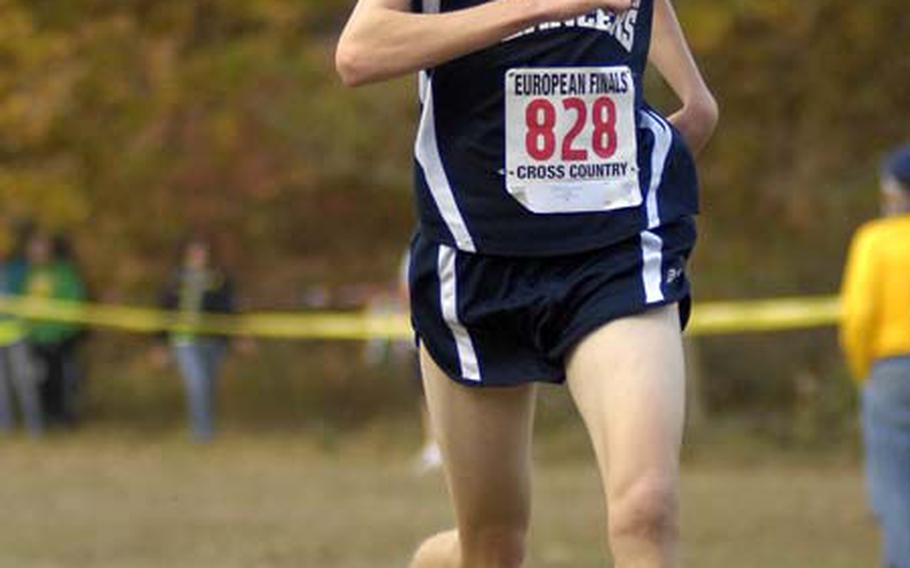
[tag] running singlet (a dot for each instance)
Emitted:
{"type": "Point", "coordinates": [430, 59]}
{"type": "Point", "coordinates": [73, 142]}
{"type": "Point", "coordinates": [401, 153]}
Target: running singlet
{"type": "Point", "coordinates": [542, 144]}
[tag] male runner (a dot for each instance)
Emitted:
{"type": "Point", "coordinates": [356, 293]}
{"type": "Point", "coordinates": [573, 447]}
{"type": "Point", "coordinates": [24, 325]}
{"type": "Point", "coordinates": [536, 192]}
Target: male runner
{"type": "Point", "coordinates": [555, 223]}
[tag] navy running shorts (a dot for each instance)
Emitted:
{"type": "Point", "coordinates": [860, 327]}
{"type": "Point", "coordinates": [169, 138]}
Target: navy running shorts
{"type": "Point", "coordinates": [502, 321]}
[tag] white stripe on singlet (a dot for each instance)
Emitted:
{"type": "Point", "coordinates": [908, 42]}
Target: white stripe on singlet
{"type": "Point", "coordinates": [426, 150]}
{"type": "Point", "coordinates": [448, 296]}
{"type": "Point", "coordinates": [651, 244]}
{"type": "Point", "coordinates": [423, 81]}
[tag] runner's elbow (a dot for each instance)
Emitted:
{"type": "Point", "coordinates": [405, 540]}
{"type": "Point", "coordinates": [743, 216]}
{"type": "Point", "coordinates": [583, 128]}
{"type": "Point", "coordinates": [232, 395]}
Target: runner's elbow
{"type": "Point", "coordinates": [353, 65]}
{"type": "Point", "coordinates": [708, 110]}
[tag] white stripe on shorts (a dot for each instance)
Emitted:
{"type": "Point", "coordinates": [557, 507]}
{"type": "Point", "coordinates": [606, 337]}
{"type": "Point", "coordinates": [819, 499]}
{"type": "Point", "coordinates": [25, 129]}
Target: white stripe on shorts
{"type": "Point", "coordinates": [426, 150]}
{"type": "Point", "coordinates": [651, 244]}
{"type": "Point", "coordinates": [448, 296]}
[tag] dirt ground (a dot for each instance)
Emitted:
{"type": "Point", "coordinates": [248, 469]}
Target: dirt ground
{"type": "Point", "coordinates": [102, 499]}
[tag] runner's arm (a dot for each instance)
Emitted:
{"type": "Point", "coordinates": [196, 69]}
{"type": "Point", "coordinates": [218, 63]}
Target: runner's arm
{"type": "Point", "coordinates": [383, 39]}
{"type": "Point", "coordinates": [671, 56]}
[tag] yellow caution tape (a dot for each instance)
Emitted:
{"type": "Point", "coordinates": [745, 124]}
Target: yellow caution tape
{"type": "Point", "coordinates": [309, 325]}
{"type": "Point", "coordinates": [708, 318]}
{"type": "Point", "coordinates": [716, 318]}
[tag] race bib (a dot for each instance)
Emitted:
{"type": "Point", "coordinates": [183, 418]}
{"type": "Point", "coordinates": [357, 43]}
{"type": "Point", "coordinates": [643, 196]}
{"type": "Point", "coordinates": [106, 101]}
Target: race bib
{"type": "Point", "coordinates": [571, 144]}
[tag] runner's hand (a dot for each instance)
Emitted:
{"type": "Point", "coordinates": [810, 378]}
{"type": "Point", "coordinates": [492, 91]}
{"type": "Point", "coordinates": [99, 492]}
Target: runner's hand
{"type": "Point", "coordinates": [567, 9]}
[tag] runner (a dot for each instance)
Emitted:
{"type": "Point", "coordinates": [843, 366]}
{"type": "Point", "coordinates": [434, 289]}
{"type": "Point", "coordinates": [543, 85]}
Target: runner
{"type": "Point", "coordinates": [555, 223]}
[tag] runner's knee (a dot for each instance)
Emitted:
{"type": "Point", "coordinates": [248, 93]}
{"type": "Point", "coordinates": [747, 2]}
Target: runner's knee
{"type": "Point", "coordinates": [645, 509]}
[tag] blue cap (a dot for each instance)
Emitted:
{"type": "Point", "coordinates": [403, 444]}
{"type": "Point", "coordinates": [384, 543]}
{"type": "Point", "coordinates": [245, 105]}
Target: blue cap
{"type": "Point", "coordinates": [897, 165]}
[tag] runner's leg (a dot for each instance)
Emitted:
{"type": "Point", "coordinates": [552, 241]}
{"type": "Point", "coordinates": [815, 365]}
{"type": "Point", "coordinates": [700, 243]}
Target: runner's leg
{"type": "Point", "coordinates": [485, 437]}
{"type": "Point", "coordinates": [628, 382]}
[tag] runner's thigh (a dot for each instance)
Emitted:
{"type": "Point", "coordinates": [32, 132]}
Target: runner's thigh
{"type": "Point", "coordinates": [485, 438]}
{"type": "Point", "coordinates": [628, 382]}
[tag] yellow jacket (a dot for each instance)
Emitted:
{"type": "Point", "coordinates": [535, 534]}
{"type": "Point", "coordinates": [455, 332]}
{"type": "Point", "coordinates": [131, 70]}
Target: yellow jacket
{"type": "Point", "coordinates": [876, 294]}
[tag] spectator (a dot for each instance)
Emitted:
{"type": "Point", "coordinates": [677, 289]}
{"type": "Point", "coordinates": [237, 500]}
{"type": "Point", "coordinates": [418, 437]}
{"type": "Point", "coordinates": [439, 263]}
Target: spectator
{"type": "Point", "coordinates": [875, 334]}
{"type": "Point", "coordinates": [52, 275]}
{"type": "Point", "coordinates": [198, 286]}
{"type": "Point", "coordinates": [403, 356]}
{"type": "Point", "coordinates": [430, 457]}
{"type": "Point", "coordinates": [17, 263]}
{"type": "Point", "coordinates": [17, 373]}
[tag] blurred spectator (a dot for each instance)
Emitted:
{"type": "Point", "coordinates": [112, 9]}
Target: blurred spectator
{"type": "Point", "coordinates": [52, 274]}
{"type": "Point", "coordinates": [17, 262]}
{"type": "Point", "coordinates": [404, 356]}
{"type": "Point", "coordinates": [17, 372]}
{"type": "Point", "coordinates": [199, 285]}
{"type": "Point", "coordinates": [316, 297]}
{"type": "Point", "coordinates": [430, 456]}
{"type": "Point", "coordinates": [875, 334]}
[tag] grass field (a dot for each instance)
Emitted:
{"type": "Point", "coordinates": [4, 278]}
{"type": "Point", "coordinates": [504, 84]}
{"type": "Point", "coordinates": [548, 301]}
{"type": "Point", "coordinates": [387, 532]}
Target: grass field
{"type": "Point", "coordinates": [102, 499]}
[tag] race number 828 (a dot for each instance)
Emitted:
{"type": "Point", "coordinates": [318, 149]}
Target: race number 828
{"type": "Point", "coordinates": [570, 138]}
{"type": "Point", "coordinates": [541, 139]}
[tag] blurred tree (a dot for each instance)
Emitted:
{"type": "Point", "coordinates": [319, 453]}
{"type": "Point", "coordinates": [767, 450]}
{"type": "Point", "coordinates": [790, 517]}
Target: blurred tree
{"type": "Point", "coordinates": [151, 117]}
{"type": "Point", "coordinates": [129, 121]}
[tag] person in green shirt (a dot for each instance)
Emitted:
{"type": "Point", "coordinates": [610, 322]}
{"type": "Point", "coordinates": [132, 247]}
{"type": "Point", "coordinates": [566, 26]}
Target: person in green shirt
{"type": "Point", "coordinates": [52, 275]}
{"type": "Point", "coordinates": [17, 371]}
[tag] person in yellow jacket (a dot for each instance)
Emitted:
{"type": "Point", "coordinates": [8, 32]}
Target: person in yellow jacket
{"type": "Point", "coordinates": [875, 336]}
